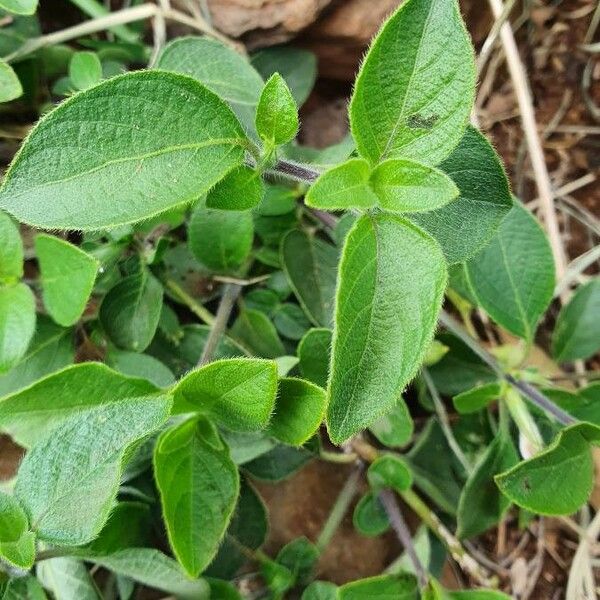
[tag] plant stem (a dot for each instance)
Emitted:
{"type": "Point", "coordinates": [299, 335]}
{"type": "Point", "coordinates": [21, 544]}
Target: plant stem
{"type": "Point", "coordinates": [198, 309]}
{"type": "Point", "coordinates": [339, 509]}
{"type": "Point", "coordinates": [94, 9]}
{"type": "Point", "coordinates": [530, 393]}
{"type": "Point", "coordinates": [230, 293]}
{"type": "Point", "coordinates": [296, 171]}
{"type": "Point", "coordinates": [440, 410]}
{"type": "Point", "coordinates": [388, 500]}
{"type": "Point", "coordinates": [454, 547]}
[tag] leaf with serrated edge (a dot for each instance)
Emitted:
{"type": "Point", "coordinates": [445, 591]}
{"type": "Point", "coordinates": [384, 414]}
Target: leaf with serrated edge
{"type": "Point", "coordinates": [390, 289]}
{"type": "Point", "coordinates": [127, 149]}
{"type": "Point", "coordinates": [32, 413]}
{"type": "Point", "coordinates": [238, 392]}
{"type": "Point", "coordinates": [416, 87]}
{"type": "Point", "coordinates": [68, 276]}
{"type": "Point", "coordinates": [80, 466]}
{"type": "Point", "coordinates": [199, 486]}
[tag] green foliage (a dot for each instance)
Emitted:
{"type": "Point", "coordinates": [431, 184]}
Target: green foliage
{"type": "Point", "coordinates": [299, 411]}
{"type": "Point", "coordinates": [557, 481]}
{"type": "Point", "coordinates": [399, 587]}
{"type": "Point", "coordinates": [17, 323]}
{"type": "Point", "coordinates": [11, 254]}
{"type": "Point", "coordinates": [311, 268]}
{"type": "Point", "coordinates": [238, 392]}
{"type": "Point", "coordinates": [475, 399]}
{"type": "Point", "coordinates": [19, 7]}
{"type": "Point", "coordinates": [150, 123]}
{"type": "Point", "coordinates": [241, 190]}
{"type": "Point", "coordinates": [256, 333]}
{"type": "Point", "coordinates": [389, 471]}
{"type": "Point", "coordinates": [313, 352]}
{"type": "Point", "coordinates": [513, 276]}
{"type": "Point", "coordinates": [276, 113]}
{"type": "Point", "coordinates": [80, 465]}
{"type": "Point", "coordinates": [10, 86]}
{"type": "Point", "coordinates": [85, 69]}
{"type": "Point", "coordinates": [67, 578]}
{"type": "Point", "coordinates": [382, 253]}
{"type": "Point", "coordinates": [370, 518]}
{"type": "Point", "coordinates": [68, 276]}
{"type": "Point", "coordinates": [198, 485]}
{"type": "Point", "coordinates": [395, 428]}
{"type": "Point", "coordinates": [221, 239]}
{"type": "Point", "coordinates": [396, 109]}
{"type": "Point", "coordinates": [17, 543]}
{"type": "Point", "coordinates": [577, 332]}
{"type": "Point", "coordinates": [130, 311]}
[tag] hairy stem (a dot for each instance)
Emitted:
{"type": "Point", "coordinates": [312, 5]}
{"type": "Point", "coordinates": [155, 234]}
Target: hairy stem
{"type": "Point", "coordinates": [198, 309]}
{"type": "Point", "coordinates": [231, 291]}
{"type": "Point", "coordinates": [529, 392]}
{"type": "Point", "coordinates": [339, 509]}
{"type": "Point", "coordinates": [390, 504]}
{"type": "Point", "coordinates": [296, 171]}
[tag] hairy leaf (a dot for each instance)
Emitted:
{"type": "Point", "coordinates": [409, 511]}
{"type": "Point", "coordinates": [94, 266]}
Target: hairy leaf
{"type": "Point", "coordinates": [577, 332]}
{"type": "Point", "coordinates": [395, 428]}
{"type": "Point", "coordinates": [382, 587]}
{"type": "Point", "coordinates": [125, 150]}
{"type": "Point", "coordinates": [559, 480]}
{"type": "Point", "coordinates": [144, 366]}
{"type": "Point", "coordinates": [85, 69]}
{"type": "Point", "coordinates": [299, 411]}
{"type": "Point", "coordinates": [237, 392]}
{"type": "Point", "coordinates": [513, 276]}
{"type": "Point", "coordinates": [11, 252]}
{"type": "Point", "coordinates": [415, 90]}
{"type": "Point", "coordinates": [313, 352]}
{"type": "Point", "coordinates": [10, 86]}
{"type": "Point", "coordinates": [17, 543]}
{"type": "Point", "coordinates": [311, 268]}
{"type": "Point", "coordinates": [389, 471]}
{"type": "Point", "coordinates": [242, 189]}
{"type": "Point", "coordinates": [256, 334]}
{"type": "Point", "coordinates": [80, 466]}
{"type": "Point", "coordinates": [32, 413]}
{"type": "Point", "coordinates": [392, 280]}
{"type": "Point", "coordinates": [131, 310]}
{"type": "Point", "coordinates": [68, 579]}
{"type": "Point", "coordinates": [17, 323]}
{"type": "Point", "coordinates": [276, 113]}
{"type": "Point", "coordinates": [68, 276]}
{"type": "Point", "coordinates": [199, 486]}
{"type": "Point", "coordinates": [477, 398]}
{"type": "Point", "coordinates": [465, 225]}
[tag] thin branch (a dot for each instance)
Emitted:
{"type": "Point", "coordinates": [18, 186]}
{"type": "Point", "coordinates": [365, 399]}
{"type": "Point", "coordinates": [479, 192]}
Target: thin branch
{"type": "Point", "coordinates": [390, 504]}
{"type": "Point", "coordinates": [528, 391]}
{"type": "Point", "coordinates": [296, 171]}
{"type": "Point", "coordinates": [198, 309]}
{"type": "Point", "coordinates": [536, 153]}
{"type": "Point", "coordinates": [231, 291]}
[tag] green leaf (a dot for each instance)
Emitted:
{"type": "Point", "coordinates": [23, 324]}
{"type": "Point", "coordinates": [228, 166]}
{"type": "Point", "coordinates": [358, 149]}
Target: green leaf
{"type": "Point", "coordinates": [256, 333]}
{"type": "Point", "coordinates": [465, 225]}
{"type": "Point", "coordinates": [299, 556]}
{"type": "Point", "coordinates": [416, 87]}
{"type": "Point", "coordinates": [125, 150]}
{"type": "Point", "coordinates": [239, 393]}
{"type": "Point", "coordinates": [476, 399]}
{"type": "Point", "coordinates": [279, 463]}
{"type": "Point", "coordinates": [140, 365]}
{"type": "Point", "coordinates": [290, 321]}
{"type": "Point", "coordinates": [242, 189]}
{"type": "Point", "coordinates": [68, 276]}
{"type": "Point", "coordinates": [382, 587]}
{"type": "Point", "coordinates": [369, 517]}
{"type": "Point", "coordinates": [389, 471]}
{"type": "Point", "coordinates": [513, 276]}
{"type": "Point", "coordinates": [482, 505]}
{"type": "Point", "coordinates": [577, 332]}
{"type": "Point", "coordinates": [50, 349]}
{"type": "Point", "coordinates": [17, 543]}
{"type": "Point", "coordinates": [477, 595]}
{"type": "Point", "coordinates": [276, 113]}
{"type": "Point", "coordinates": [342, 187]}
{"type": "Point", "coordinates": [11, 252]}
{"type": "Point", "coordinates": [320, 590]}
{"type": "Point", "coordinates": [131, 310]}
{"type": "Point", "coordinates": [221, 239]}
{"type": "Point", "coordinates": [313, 352]}
{"type": "Point", "coordinates": [395, 428]}
{"type": "Point", "coordinates": [299, 411]}
{"type": "Point", "coordinates": [85, 69]}
{"type": "Point", "coordinates": [68, 579]}
{"type": "Point", "coordinates": [223, 590]}
{"type": "Point", "coordinates": [153, 569]}
{"type": "Point", "coordinates": [220, 68]}
{"type": "Point", "coordinates": [199, 486]}
{"type": "Point", "coordinates": [559, 480]}
{"type": "Point", "coordinates": [17, 323]}
{"type": "Point", "coordinates": [297, 66]}
{"type": "Point", "coordinates": [311, 268]}
{"type": "Point", "coordinates": [10, 86]}
{"type": "Point", "coordinates": [80, 466]}
{"type": "Point", "coordinates": [32, 413]}
{"type": "Point", "coordinates": [19, 7]}
{"type": "Point", "coordinates": [407, 186]}
{"type": "Point", "coordinates": [392, 280]}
